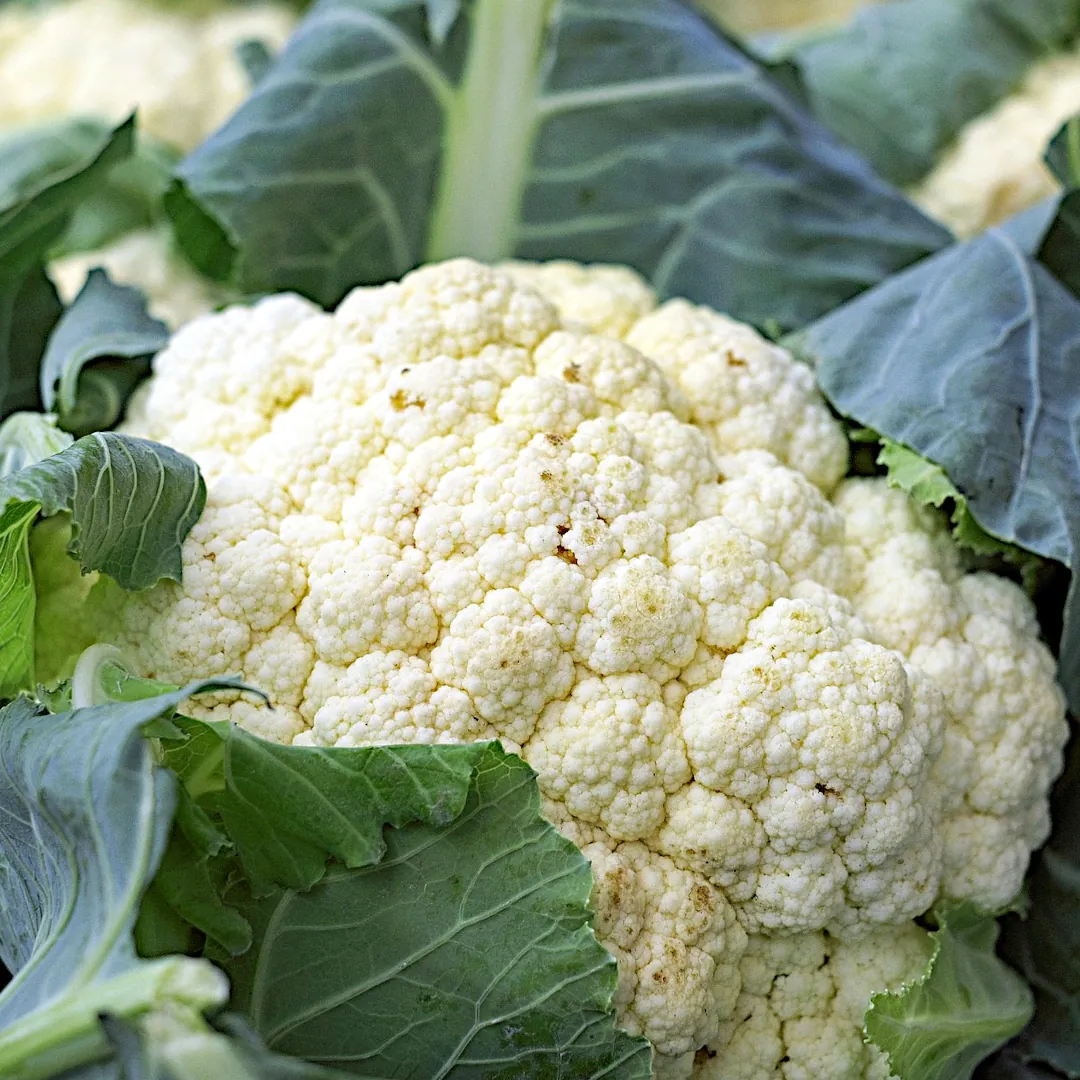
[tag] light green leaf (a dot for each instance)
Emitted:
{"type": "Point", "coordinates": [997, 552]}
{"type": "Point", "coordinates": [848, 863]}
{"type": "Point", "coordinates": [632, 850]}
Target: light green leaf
{"type": "Point", "coordinates": [84, 817]}
{"type": "Point", "coordinates": [928, 484]}
{"type": "Point", "coordinates": [966, 1005]}
{"type": "Point", "coordinates": [132, 503]}
{"type": "Point", "coordinates": [394, 132]}
{"type": "Point", "coordinates": [26, 437]}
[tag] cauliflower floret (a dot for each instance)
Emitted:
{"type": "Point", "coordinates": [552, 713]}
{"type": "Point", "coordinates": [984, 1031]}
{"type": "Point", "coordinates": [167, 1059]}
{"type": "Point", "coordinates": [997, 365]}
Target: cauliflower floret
{"type": "Point", "coordinates": [975, 637]}
{"type": "Point", "coordinates": [797, 709]}
{"type": "Point", "coordinates": [819, 735]}
{"type": "Point", "coordinates": [995, 167]}
{"type": "Point", "coordinates": [107, 57]}
{"type": "Point", "coordinates": [744, 392]}
{"type": "Point", "coordinates": [220, 382]}
{"type": "Point", "coordinates": [610, 752]}
{"type": "Point", "coordinates": [602, 299]}
{"type": "Point", "coordinates": [677, 942]}
{"type": "Point", "coordinates": [800, 1013]}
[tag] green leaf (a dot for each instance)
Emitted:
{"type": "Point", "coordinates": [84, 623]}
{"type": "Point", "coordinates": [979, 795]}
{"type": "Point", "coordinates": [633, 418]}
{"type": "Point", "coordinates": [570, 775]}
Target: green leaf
{"type": "Point", "coordinates": [84, 817]}
{"type": "Point", "coordinates": [16, 599]}
{"type": "Point", "coordinates": [902, 79]}
{"type": "Point", "coordinates": [966, 1005]}
{"type": "Point", "coordinates": [37, 207]}
{"type": "Point", "coordinates": [132, 503]}
{"type": "Point", "coordinates": [969, 359]}
{"type": "Point", "coordinates": [26, 437]}
{"type": "Point", "coordinates": [106, 322]}
{"type": "Point", "coordinates": [128, 197]}
{"type": "Point", "coordinates": [189, 884]}
{"type": "Point", "coordinates": [1063, 154]}
{"type": "Point", "coordinates": [29, 310]}
{"type": "Point", "coordinates": [467, 949]}
{"type": "Point", "coordinates": [928, 484]}
{"type": "Point", "coordinates": [626, 131]}
{"type": "Point", "coordinates": [255, 58]}
{"type": "Point", "coordinates": [283, 807]}
{"type": "Point", "coordinates": [1056, 241]}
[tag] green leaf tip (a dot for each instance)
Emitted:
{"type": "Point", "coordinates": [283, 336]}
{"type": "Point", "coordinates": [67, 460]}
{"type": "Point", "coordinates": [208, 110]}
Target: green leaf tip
{"type": "Point", "coordinates": [154, 497]}
{"type": "Point", "coordinates": [106, 322]}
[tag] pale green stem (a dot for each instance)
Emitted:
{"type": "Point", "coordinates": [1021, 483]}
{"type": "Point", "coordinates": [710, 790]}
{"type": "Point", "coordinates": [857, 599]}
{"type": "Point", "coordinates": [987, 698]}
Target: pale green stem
{"type": "Point", "coordinates": [490, 130]}
{"type": "Point", "coordinates": [66, 1033]}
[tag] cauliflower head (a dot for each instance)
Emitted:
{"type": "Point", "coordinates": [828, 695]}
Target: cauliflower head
{"type": "Point", "coordinates": [107, 57]}
{"type": "Point", "coordinates": [766, 701]}
{"type": "Point", "coordinates": [995, 167]}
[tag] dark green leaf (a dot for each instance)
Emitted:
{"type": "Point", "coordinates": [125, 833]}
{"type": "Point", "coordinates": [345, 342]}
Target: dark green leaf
{"type": "Point", "coordinates": [32, 223]}
{"type": "Point", "coordinates": [84, 817]}
{"type": "Point", "coordinates": [129, 197]}
{"type": "Point", "coordinates": [970, 360]}
{"type": "Point", "coordinates": [255, 58]}
{"type": "Point", "coordinates": [467, 950]}
{"type": "Point", "coordinates": [967, 1004]}
{"type": "Point", "coordinates": [132, 503]}
{"type": "Point", "coordinates": [626, 131]}
{"type": "Point", "coordinates": [1063, 154]}
{"type": "Point", "coordinates": [902, 79]}
{"type": "Point", "coordinates": [28, 312]}
{"type": "Point", "coordinates": [189, 884]}
{"type": "Point", "coordinates": [37, 200]}
{"type": "Point", "coordinates": [1056, 231]}
{"type": "Point", "coordinates": [1046, 945]}
{"type": "Point", "coordinates": [1059, 251]}
{"type": "Point", "coordinates": [285, 807]}
{"type": "Point", "coordinates": [106, 322]}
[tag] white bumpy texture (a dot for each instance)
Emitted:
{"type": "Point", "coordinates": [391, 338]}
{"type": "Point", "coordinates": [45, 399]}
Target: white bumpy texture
{"type": "Point", "coordinates": [768, 702]}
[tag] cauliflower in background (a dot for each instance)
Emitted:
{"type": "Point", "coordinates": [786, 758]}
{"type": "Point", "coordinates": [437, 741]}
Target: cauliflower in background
{"type": "Point", "coordinates": [107, 57]}
{"type": "Point", "coordinates": [769, 703]}
{"type": "Point", "coordinates": [756, 16]}
{"type": "Point", "coordinates": [995, 168]}
{"type": "Point", "coordinates": [103, 58]}
{"type": "Point", "coordinates": [146, 258]}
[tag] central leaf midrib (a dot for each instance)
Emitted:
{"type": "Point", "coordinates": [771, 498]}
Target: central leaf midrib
{"type": "Point", "coordinates": [491, 127]}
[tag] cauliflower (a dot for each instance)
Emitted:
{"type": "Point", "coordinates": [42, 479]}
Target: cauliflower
{"type": "Point", "coordinates": [800, 1012]}
{"type": "Point", "coordinates": [146, 258]}
{"type": "Point", "coordinates": [107, 57]}
{"type": "Point", "coordinates": [995, 167]}
{"type": "Point", "coordinates": [754, 16]}
{"type": "Point", "coordinates": [767, 702]}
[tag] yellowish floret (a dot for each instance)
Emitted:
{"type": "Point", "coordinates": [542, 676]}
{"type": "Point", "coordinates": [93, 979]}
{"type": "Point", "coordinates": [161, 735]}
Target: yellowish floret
{"type": "Point", "coordinates": [995, 167]}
